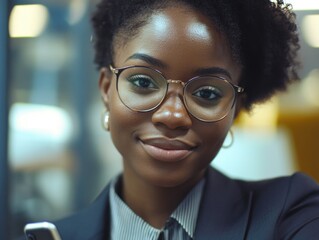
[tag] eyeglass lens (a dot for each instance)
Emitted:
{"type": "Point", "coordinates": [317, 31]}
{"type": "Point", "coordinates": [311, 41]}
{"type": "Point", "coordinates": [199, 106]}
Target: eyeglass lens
{"type": "Point", "coordinates": [207, 98]}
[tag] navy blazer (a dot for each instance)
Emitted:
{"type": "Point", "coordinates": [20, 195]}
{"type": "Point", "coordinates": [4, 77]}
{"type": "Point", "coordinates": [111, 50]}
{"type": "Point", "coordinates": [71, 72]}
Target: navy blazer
{"type": "Point", "coordinates": [281, 208]}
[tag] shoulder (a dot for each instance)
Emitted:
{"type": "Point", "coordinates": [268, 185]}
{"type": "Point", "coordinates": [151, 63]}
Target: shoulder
{"type": "Point", "coordinates": [285, 207]}
{"type": "Point", "coordinates": [290, 187]}
{"type": "Point", "coordinates": [89, 223]}
{"type": "Point", "coordinates": [292, 202]}
{"type": "Point", "coordinates": [290, 190]}
{"type": "Point", "coordinates": [299, 217]}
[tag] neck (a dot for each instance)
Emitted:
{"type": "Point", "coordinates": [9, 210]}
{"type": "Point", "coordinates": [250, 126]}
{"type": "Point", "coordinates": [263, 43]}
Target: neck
{"type": "Point", "coordinates": [152, 203]}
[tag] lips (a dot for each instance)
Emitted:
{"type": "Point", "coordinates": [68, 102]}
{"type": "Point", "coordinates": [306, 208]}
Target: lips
{"type": "Point", "coordinates": [167, 150]}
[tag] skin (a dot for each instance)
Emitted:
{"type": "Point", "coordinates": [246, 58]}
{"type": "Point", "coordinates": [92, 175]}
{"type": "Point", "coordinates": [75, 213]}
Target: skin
{"type": "Point", "coordinates": [183, 42]}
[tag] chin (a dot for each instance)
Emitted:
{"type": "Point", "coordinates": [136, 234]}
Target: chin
{"type": "Point", "coordinates": [173, 179]}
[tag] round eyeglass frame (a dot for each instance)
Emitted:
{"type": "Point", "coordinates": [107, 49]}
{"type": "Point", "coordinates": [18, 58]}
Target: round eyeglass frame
{"type": "Point", "coordinates": [237, 90]}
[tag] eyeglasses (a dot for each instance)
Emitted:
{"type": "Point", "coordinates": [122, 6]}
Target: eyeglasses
{"type": "Point", "coordinates": [208, 98]}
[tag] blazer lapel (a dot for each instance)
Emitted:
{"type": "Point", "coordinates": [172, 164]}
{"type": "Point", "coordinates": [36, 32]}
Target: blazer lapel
{"type": "Point", "coordinates": [223, 215]}
{"type": "Point", "coordinates": [224, 211]}
{"type": "Point", "coordinates": [91, 223]}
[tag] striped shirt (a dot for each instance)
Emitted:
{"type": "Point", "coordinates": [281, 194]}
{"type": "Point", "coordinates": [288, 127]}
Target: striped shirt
{"type": "Point", "coordinates": [126, 225]}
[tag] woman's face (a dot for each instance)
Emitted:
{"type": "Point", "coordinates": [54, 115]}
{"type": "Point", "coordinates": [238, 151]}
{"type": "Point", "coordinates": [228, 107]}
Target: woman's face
{"type": "Point", "coordinates": [167, 146]}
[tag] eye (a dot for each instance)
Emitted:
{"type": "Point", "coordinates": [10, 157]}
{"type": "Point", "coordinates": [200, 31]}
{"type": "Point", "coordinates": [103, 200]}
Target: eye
{"type": "Point", "coordinates": [208, 93]}
{"type": "Point", "coordinates": [142, 81]}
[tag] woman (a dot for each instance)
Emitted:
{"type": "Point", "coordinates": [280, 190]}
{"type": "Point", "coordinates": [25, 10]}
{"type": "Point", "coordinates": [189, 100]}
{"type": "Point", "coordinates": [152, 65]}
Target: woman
{"type": "Point", "coordinates": [173, 77]}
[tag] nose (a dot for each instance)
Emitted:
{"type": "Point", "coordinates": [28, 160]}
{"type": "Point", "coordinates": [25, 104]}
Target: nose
{"type": "Point", "coordinates": [172, 113]}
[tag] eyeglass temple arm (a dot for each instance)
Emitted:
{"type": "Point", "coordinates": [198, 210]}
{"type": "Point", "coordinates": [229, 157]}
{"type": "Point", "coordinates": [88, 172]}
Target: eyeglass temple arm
{"type": "Point", "coordinates": [114, 70]}
{"type": "Point", "coordinates": [239, 89]}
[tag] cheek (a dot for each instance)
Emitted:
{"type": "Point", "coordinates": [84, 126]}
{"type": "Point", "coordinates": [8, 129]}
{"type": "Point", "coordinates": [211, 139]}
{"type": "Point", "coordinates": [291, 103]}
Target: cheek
{"type": "Point", "coordinates": [214, 135]}
{"type": "Point", "coordinates": [123, 122]}
{"type": "Point", "coordinates": [121, 129]}
{"type": "Point", "coordinates": [120, 119]}
{"type": "Point", "coordinates": [120, 115]}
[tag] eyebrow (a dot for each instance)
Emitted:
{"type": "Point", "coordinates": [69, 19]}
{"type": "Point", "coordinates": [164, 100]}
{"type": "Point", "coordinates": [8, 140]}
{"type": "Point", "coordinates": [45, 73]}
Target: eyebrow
{"type": "Point", "coordinates": [158, 63]}
{"type": "Point", "coordinates": [148, 59]}
{"type": "Point", "coordinates": [213, 71]}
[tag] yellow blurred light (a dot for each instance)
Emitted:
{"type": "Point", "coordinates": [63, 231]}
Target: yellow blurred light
{"type": "Point", "coordinates": [310, 88]}
{"type": "Point", "coordinates": [27, 20]}
{"type": "Point", "coordinates": [310, 28]}
{"type": "Point", "coordinates": [263, 117]}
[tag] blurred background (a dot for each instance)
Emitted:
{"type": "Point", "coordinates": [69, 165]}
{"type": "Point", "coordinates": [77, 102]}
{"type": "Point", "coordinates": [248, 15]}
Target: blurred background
{"type": "Point", "coordinates": [55, 157]}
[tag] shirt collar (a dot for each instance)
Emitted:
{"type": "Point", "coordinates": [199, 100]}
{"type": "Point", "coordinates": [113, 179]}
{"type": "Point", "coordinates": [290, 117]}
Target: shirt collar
{"type": "Point", "coordinates": [187, 211]}
{"type": "Point", "coordinates": [185, 214]}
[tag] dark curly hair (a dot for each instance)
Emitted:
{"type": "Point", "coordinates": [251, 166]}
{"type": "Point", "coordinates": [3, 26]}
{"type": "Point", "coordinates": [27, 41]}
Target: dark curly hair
{"type": "Point", "coordinates": [262, 35]}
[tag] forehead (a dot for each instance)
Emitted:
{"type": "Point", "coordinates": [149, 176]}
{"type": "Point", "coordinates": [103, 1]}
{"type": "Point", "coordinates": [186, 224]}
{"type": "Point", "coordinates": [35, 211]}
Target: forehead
{"type": "Point", "coordinates": [180, 37]}
{"type": "Point", "coordinates": [177, 22]}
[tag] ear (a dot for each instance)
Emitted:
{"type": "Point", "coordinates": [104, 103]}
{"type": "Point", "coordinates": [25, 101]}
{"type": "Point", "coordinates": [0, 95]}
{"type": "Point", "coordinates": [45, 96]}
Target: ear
{"type": "Point", "coordinates": [104, 85]}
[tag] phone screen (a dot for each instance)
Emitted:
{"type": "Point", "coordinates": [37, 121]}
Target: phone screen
{"type": "Point", "coordinates": [41, 231]}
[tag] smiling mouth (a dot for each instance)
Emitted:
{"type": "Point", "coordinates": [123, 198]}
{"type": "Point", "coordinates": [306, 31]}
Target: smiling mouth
{"type": "Point", "coordinates": [167, 150]}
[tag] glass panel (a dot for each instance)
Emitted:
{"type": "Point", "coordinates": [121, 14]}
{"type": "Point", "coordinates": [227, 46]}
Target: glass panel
{"type": "Point", "coordinates": [55, 141]}
{"type": "Point", "coordinates": [4, 173]}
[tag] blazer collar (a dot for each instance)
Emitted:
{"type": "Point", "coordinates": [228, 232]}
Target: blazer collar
{"type": "Point", "coordinates": [223, 214]}
{"type": "Point", "coordinates": [224, 210]}
{"type": "Point", "coordinates": [92, 223]}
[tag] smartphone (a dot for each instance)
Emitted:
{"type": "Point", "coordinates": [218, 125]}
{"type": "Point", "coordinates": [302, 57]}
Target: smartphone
{"type": "Point", "coordinates": [41, 231]}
